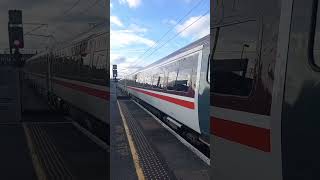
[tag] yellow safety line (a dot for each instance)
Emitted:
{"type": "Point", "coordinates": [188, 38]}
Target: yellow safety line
{"type": "Point", "coordinates": [35, 159]}
{"type": "Point", "coordinates": [133, 150]}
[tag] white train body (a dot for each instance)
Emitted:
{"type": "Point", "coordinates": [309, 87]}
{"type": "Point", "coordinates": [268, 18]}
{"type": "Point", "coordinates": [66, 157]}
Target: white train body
{"type": "Point", "coordinates": [75, 75]}
{"type": "Point", "coordinates": [177, 95]}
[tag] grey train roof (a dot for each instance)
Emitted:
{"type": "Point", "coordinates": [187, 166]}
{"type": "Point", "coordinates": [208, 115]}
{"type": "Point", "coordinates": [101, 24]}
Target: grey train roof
{"type": "Point", "coordinates": [202, 41]}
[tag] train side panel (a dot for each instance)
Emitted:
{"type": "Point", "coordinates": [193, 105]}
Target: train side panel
{"type": "Point", "coordinates": [79, 75]}
{"type": "Point", "coordinates": [245, 53]}
{"type": "Point", "coordinates": [85, 96]}
{"type": "Point", "coordinates": [185, 112]}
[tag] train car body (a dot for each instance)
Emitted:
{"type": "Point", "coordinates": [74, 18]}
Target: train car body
{"type": "Point", "coordinates": [76, 76]}
{"type": "Point", "coordinates": [177, 86]}
{"type": "Point", "coordinates": [265, 89]}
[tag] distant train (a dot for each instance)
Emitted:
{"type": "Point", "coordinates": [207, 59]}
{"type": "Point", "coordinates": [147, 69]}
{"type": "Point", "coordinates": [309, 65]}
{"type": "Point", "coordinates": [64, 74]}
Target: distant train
{"type": "Point", "coordinates": [265, 89]}
{"type": "Point", "coordinates": [177, 85]}
{"type": "Point", "coordinates": [75, 78]}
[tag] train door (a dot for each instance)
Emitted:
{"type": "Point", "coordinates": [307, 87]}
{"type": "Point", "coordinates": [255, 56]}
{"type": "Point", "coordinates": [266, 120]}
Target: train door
{"type": "Point", "coordinates": [301, 101]}
{"type": "Point", "coordinates": [203, 96]}
{"type": "Point", "coordinates": [281, 141]}
{"type": "Point", "coordinates": [245, 139]}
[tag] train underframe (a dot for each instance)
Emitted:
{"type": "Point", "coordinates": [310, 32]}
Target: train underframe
{"type": "Point", "coordinates": [187, 133]}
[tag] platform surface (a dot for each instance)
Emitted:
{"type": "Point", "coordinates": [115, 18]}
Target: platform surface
{"type": "Point", "coordinates": [46, 144]}
{"type": "Point", "coordinates": [15, 161]}
{"type": "Point", "coordinates": [161, 155]}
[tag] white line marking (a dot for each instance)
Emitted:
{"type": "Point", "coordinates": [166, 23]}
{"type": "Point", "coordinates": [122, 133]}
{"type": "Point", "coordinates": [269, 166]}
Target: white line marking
{"type": "Point", "coordinates": [92, 137]}
{"type": "Point", "coordinates": [181, 139]}
{"type": "Point", "coordinates": [39, 170]}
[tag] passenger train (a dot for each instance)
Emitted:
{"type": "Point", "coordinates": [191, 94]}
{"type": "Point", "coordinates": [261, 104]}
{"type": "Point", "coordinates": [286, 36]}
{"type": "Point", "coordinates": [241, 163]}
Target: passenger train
{"type": "Point", "coordinates": [75, 78]}
{"type": "Point", "coordinates": [177, 86]}
{"type": "Point", "coordinates": [265, 89]}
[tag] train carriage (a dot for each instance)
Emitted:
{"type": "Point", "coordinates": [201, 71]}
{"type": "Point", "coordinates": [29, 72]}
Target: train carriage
{"type": "Point", "coordinates": [75, 78]}
{"type": "Point", "coordinates": [265, 89]}
{"type": "Point", "coordinates": [177, 86]}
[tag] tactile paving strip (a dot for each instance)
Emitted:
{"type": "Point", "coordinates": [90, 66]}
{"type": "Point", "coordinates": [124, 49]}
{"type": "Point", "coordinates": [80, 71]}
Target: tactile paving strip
{"type": "Point", "coordinates": [49, 157]}
{"type": "Point", "coordinates": [153, 167]}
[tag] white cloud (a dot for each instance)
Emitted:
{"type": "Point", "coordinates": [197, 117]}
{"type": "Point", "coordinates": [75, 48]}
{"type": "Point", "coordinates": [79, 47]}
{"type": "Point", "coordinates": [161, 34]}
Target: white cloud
{"type": "Point", "coordinates": [136, 28]}
{"type": "Point", "coordinates": [196, 30]}
{"type": "Point", "coordinates": [115, 20]}
{"type": "Point", "coordinates": [122, 38]}
{"type": "Point", "coordinates": [187, 1]}
{"type": "Point", "coordinates": [126, 44]}
{"type": "Point", "coordinates": [169, 22]}
{"type": "Point", "coordinates": [125, 64]}
{"type": "Point", "coordinates": [131, 3]}
{"type": "Point", "coordinates": [111, 5]}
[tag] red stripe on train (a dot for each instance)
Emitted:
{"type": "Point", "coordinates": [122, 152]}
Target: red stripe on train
{"type": "Point", "coordinates": [248, 135]}
{"type": "Point", "coordinates": [91, 91]}
{"type": "Point", "coordinates": [180, 102]}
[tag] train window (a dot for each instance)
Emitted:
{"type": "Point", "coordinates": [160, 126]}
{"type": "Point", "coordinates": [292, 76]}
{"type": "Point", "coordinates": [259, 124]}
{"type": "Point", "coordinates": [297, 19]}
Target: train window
{"type": "Point", "coordinates": [155, 77]}
{"type": "Point", "coordinates": [235, 58]}
{"type": "Point", "coordinates": [315, 60]}
{"type": "Point", "coordinates": [161, 78]}
{"type": "Point", "coordinates": [148, 79]}
{"type": "Point", "coordinates": [158, 78]}
{"type": "Point", "coordinates": [95, 61]}
{"type": "Point", "coordinates": [172, 72]}
{"type": "Point", "coordinates": [140, 79]}
{"type": "Point", "coordinates": [187, 73]}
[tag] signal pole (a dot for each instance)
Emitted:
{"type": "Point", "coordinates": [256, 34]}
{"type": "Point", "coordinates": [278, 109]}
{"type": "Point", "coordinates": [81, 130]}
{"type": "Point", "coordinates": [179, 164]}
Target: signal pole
{"type": "Point", "coordinates": [15, 31]}
{"type": "Point", "coordinates": [115, 73]}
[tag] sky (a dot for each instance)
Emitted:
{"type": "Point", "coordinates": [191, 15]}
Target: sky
{"type": "Point", "coordinates": [144, 31]}
{"type": "Point", "coordinates": [65, 19]}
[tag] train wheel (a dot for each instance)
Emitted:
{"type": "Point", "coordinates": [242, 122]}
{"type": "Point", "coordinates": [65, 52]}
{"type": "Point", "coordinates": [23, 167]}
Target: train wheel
{"type": "Point", "coordinates": [65, 108]}
{"type": "Point", "coordinates": [191, 136]}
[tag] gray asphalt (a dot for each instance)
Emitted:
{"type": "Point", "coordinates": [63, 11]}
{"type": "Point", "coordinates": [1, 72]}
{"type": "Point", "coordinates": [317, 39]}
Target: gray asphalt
{"type": "Point", "coordinates": [153, 141]}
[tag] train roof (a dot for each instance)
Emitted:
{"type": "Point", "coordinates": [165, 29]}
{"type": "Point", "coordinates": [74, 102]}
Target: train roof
{"type": "Point", "coordinates": [202, 41]}
{"type": "Point", "coordinates": [95, 32]}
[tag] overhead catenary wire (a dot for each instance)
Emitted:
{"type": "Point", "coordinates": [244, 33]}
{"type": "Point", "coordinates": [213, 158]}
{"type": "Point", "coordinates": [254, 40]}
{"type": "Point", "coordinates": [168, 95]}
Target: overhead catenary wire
{"type": "Point", "coordinates": [67, 12]}
{"type": "Point", "coordinates": [71, 8]}
{"type": "Point", "coordinates": [163, 44]}
{"type": "Point", "coordinates": [157, 42]}
{"type": "Point", "coordinates": [34, 29]}
{"type": "Point", "coordinates": [86, 31]}
{"type": "Point", "coordinates": [41, 25]}
{"type": "Point", "coordinates": [90, 6]}
{"type": "Point", "coordinates": [64, 13]}
{"type": "Point", "coordinates": [180, 32]}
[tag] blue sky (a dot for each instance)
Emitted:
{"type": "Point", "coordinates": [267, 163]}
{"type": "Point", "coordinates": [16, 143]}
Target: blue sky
{"type": "Point", "coordinates": [137, 25]}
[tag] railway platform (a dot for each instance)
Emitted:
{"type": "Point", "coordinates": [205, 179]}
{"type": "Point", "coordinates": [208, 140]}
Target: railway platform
{"type": "Point", "coordinates": [47, 145]}
{"type": "Point", "coordinates": [143, 148]}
